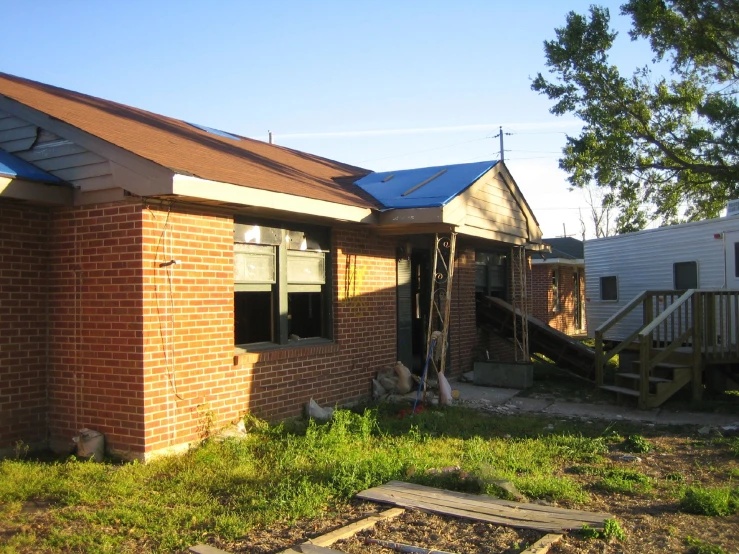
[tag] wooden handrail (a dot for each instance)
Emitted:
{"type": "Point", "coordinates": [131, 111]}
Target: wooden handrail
{"type": "Point", "coordinates": [651, 326]}
{"type": "Point", "coordinates": [619, 315]}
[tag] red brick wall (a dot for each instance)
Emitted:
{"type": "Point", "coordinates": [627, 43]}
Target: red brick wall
{"type": "Point", "coordinates": [95, 324]}
{"type": "Point", "coordinates": [24, 236]}
{"type": "Point", "coordinates": [543, 300]}
{"type": "Point", "coordinates": [364, 295]}
{"type": "Point", "coordinates": [188, 337]}
{"type": "Point", "coordinates": [463, 325]}
{"type": "Point", "coordinates": [145, 353]}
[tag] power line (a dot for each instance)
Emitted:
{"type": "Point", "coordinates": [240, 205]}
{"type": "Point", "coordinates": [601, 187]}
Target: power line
{"type": "Point", "coordinates": [422, 151]}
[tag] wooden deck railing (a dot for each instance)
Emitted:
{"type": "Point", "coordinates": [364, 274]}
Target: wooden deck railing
{"type": "Point", "coordinates": [707, 321]}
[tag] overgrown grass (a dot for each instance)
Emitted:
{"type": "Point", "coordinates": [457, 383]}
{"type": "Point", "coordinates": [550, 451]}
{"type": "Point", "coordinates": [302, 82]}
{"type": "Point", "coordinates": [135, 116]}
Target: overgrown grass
{"type": "Point", "coordinates": [288, 472]}
{"type": "Point", "coordinates": [710, 501]}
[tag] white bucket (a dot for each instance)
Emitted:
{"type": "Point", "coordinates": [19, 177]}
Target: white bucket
{"type": "Point", "coordinates": [90, 444]}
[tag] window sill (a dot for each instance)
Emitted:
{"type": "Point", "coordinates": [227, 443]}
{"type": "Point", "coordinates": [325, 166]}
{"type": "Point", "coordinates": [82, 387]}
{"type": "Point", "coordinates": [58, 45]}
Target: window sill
{"type": "Point", "coordinates": [264, 352]}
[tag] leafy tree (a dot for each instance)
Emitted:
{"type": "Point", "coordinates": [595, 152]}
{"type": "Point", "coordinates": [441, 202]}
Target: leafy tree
{"type": "Point", "coordinates": [666, 145]}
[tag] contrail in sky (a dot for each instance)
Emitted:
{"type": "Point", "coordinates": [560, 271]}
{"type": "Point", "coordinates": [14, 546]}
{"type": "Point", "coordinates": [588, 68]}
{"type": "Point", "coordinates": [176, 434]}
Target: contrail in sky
{"type": "Point", "coordinates": [507, 127]}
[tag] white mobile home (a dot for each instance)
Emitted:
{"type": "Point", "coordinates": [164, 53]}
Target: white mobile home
{"type": "Point", "coordinates": [703, 254]}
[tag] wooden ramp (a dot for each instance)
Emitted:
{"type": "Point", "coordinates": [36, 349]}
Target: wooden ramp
{"type": "Point", "coordinates": [482, 508]}
{"type": "Point", "coordinates": [497, 315]}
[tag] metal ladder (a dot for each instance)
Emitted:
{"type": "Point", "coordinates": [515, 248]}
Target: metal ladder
{"type": "Point", "coordinates": [520, 304]}
{"type": "Point", "coordinates": [441, 299]}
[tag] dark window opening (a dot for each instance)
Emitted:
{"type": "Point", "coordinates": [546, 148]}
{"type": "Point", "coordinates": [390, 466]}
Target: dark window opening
{"type": "Point", "coordinates": [282, 281]}
{"type": "Point", "coordinates": [555, 291]}
{"type": "Point", "coordinates": [252, 317]}
{"type": "Point", "coordinates": [305, 315]}
{"type": "Point", "coordinates": [736, 259]}
{"type": "Point", "coordinates": [685, 275]}
{"type": "Point", "coordinates": [609, 288]}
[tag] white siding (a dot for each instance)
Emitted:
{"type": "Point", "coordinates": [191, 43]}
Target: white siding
{"type": "Point", "coordinates": [644, 261]}
{"type": "Point", "coordinates": [54, 154]}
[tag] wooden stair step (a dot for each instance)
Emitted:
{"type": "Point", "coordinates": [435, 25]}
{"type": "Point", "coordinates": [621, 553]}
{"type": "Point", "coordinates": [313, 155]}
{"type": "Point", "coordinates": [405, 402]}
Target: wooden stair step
{"type": "Point", "coordinates": [620, 390]}
{"type": "Point", "coordinates": [637, 377]}
{"type": "Point", "coordinates": [664, 365]}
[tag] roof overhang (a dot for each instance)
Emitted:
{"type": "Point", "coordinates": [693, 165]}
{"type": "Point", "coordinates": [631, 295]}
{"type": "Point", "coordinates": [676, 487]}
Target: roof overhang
{"type": "Point", "coordinates": [196, 189]}
{"type": "Point", "coordinates": [558, 261]}
{"type": "Point", "coordinates": [36, 192]}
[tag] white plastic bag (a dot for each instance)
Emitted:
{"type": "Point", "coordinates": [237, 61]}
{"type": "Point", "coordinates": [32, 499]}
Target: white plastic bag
{"type": "Point", "coordinates": [445, 391]}
{"type": "Point", "coordinates": [90, 444]}
{"type": "Point", "coordinates": [405, 382]}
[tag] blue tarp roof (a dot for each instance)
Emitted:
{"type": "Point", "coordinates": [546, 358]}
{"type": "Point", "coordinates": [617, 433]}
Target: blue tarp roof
{"type": "Point", "coordinates": [438, 185]}
{"type": "Point", "coordinates": [13, 166]}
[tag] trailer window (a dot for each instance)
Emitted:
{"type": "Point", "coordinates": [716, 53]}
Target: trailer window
{"type": "Point", "coordinates": [609, 288]}
{"type": "Point", "coordinates": [685, 275]}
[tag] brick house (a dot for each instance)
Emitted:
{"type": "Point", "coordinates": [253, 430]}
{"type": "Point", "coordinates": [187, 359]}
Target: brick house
{"type": "Point", "coordinates": [558, 285]}
{"type": "Point", "coordinates": [158, 276]}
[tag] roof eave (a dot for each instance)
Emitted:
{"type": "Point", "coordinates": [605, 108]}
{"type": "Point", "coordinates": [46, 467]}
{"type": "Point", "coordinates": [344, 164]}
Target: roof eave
{"type": "Point", "coordinates": [36, 192]}
{"type": "Point", "coordinates": [217, 191]}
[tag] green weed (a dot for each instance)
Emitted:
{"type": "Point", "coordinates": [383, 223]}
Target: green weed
{"type": "Point", "coordinates": [702, 547]}
{"type": "Point", "coordinates": [611, 530]}
{"type": "Point", "coordinates": [624, 481]}
{"type": "Point", "coordinates": [636, 444]}
{"type": "Point", "coordinates": [717, 501]}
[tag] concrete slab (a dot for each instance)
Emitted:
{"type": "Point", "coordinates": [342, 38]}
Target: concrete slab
{"type": "Point", "coordinates": [530, 405]}
{"type": "Point", "coordinates": [494, 396]}
{"type": "Point", "coordinates": [697, 418]}
{"type": "Point", "coordinates": [600, 411]}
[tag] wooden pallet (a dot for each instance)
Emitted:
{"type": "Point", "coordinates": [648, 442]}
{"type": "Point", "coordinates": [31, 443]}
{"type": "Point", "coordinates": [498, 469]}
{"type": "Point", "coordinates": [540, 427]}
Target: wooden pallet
{"type": "Point", "coordinates": [482, 508]}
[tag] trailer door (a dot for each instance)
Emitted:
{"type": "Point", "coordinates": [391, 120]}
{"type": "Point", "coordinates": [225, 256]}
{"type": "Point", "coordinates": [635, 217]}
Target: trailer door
{"type": "Point", "coordinates": [731, 241]}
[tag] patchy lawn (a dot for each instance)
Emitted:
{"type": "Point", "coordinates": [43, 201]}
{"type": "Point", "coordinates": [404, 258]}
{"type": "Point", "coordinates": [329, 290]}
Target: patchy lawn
{"type": "Point", "coordinates": [280, 485]}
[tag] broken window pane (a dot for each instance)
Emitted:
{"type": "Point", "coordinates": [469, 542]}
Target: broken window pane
{"type": "Point", "coordinates": [252, 317]}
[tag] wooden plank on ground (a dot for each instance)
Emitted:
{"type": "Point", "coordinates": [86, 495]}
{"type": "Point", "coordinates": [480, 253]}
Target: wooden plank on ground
{"type": "Point", "coordinates": [543, 545]}
{"type": "Point", "coordinates": [313, 549]}
{"type": "Point", "coordinates": [206, 549]}
{"type": "Point", "coordinates": [347, 531]}
{"type": "Point", "coordinates": [482, 508]}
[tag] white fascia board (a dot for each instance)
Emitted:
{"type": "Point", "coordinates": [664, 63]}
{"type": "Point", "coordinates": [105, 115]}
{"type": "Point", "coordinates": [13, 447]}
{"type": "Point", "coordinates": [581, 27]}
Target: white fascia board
{"type": "Point", "coordinates": [194, 187]}
{"type": "Point", "coordinates": [557, 261]}
{"type": "Point", "coordinates": [35, 191]}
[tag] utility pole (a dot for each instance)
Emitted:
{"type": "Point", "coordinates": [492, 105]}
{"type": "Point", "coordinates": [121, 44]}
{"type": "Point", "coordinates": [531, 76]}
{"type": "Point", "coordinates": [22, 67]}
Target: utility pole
{"type": "Point", "coordinates": [500, 134]}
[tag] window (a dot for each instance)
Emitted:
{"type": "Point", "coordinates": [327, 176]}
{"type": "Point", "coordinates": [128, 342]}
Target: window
{"type": "Point", "coordinates": [281, 283]}
{"type": "Point", "coordinates": [609, 288]}
{"type": "Point", "coordinates": [490, 274]}
{"type": "Point", "coordinates": [555, 291]}
{"type": "Point", "coordinates": [685, 275]}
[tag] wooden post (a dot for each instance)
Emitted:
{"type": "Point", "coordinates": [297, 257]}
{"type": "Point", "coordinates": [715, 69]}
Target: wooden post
{"type": "Point", "coordinates": [698, 327]}
{"type": "Point", "coordinates": [599, 358]}
{"type": "Point", "coordinates": [645, 348]}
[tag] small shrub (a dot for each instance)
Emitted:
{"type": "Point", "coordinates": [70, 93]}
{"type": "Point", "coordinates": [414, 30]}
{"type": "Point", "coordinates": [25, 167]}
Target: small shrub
{"type": "Point", "coordinates": [636, 444]}
{"type": "Point", "coordinates": [677, 477]}
{"type": "Point", "coordinates": [624, 481]}
{"type": "Point", "coordinates": [611, 530]}
{"type": "Point", "coordinates": [720, 501]}
{"type": "Point", "coordinates": [734, 446]}
{"type": "Point", "coordinates": [702, 547]}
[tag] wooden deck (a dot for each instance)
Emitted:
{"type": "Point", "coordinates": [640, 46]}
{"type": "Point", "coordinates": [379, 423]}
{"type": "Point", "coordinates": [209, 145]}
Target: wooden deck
{"type": "Point", "coordinates": [482, 508]}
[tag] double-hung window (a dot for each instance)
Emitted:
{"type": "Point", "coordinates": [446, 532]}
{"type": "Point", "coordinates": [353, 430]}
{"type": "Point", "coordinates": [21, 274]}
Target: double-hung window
{"type": "Point", "coordinates": [281, 284]}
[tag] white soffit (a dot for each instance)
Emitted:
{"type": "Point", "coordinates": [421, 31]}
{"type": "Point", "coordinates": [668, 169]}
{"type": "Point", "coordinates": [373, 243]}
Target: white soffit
{"type": "Point", "coordinates": [185, 185]}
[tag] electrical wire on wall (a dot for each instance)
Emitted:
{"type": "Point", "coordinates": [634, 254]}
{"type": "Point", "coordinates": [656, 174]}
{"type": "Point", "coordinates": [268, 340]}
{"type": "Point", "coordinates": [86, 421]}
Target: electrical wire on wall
{"type": "Point", "coordinates": [76, 376]}
{"type": "Point", "coordinates": [166, 309]}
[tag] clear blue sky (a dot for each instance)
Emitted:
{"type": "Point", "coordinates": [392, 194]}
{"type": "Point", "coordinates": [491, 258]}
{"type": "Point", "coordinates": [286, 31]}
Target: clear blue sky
{"type": "Point", "coordinates": [380, 84]}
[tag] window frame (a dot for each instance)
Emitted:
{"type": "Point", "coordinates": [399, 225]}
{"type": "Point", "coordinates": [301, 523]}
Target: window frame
{"type": "Point", "coordinates": [554, 288]}
{"type": "Point", "coordinates": [600, 285]}
{"type": "Point", "coordinates": [675, 265]}
{"type": "Point", "coordinates": [281, 287]}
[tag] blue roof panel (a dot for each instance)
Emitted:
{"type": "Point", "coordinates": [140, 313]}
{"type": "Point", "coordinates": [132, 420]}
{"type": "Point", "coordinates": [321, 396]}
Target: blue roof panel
{"type": "Point", "coordinates": [13, 166]}
{"type": "Point", "coordinates": [426, 187]}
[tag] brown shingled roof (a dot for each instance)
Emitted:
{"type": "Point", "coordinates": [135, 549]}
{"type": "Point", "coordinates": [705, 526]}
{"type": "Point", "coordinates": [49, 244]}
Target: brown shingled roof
{"type": "Point", "coordinates": [183, 148]}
